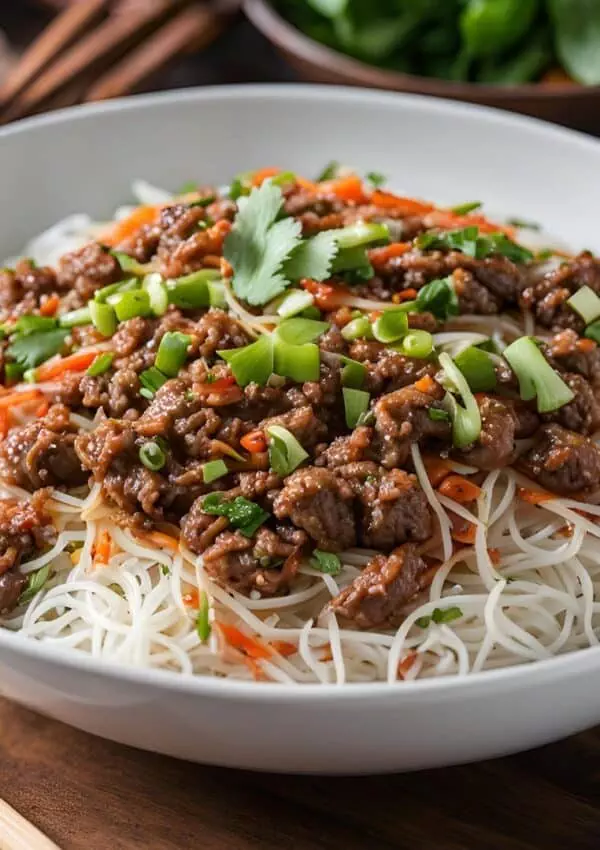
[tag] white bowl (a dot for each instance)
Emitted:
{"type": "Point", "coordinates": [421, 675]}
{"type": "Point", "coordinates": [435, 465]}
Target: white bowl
{"type": "Point", "coordinates": [84, 160]}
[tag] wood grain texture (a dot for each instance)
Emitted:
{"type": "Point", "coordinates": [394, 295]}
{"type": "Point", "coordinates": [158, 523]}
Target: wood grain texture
{"type": "Point", "coordinates": [90, 794]}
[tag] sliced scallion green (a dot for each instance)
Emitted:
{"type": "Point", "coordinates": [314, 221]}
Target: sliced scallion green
{"type": "Point", "coordinates": [593, 332]}
{"type": "Point", "coordinates": [101, 364]}
{"type": "Point", "coordinates": [76, 318]}
{"type": "Point", "coordinates": [359, 328]}
{"type": "Point", "coordinates": [478, 369]}
{"type": "Point", "coordinates": [103, 317]}
{"type": "Point", "coordinates": [203, 627]}
{"type": "Point", "coordinates": [285, 452]}
{"type": "Point", "coordinates": [417, 343]}
{"type": "Point", "coordinates": [537, 378]}
{"type": "Point", "coordinates": [115, 288]}
{"type": "Point", "coordinates": [467, 207]}
{"type": "Point", "coordinates": [294, 302]}
{"type": "Point", "coordinates": [191, 291]}
{"type": "Point", "coordinates": [130, 264]}
{"type": "Point", "coordinates": [213, 470]}
{"type": "Point", "coordinates": [356, 404]}
{"type": "Point", "coordinates": [326, 562]}
{"type": "Point", "coordinates": [13, 371]}
{"type": "Point", "coordinates": [253, 363]}
{"type": "Point", "coordinates": [172, 353]}
{"type": "Point", "coordinates": [299, 362]}
{"type": "Point", "coordinates": [130, 305]}
{"type": "Point", "coordinates": [586, 303]}
{"type": "Point", "coordinates": [157, 292]}
{"type": "Point", "coordinates": [353, 373]}
{"type": "Point", "coordinates": [391, 326]}
{"type": "Point", "coordinates": [152, 456]}
{"type": "Point", "coordinates": [216, 294]}
{"type": "Point", "coordinates": [466, 421]}
{"type": "Point", "coordinates": [297, 331]}
{"type": "Point", "coordinates": [151, 380]}
{"type": "Point", "coordinates": [362, 233]}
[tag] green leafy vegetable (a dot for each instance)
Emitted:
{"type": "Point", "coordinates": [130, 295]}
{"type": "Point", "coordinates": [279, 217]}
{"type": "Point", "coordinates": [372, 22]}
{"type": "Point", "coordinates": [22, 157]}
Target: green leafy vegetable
{"type": "Point", "coordinates": [259, 244]}
{"type": "Point", "coordinates": [376, 179]}
{"type": "Point", "coordinates": [391, 326]}
{"type": "Point", "coordinates": [242, 514]}
{"type": "Point", "coordinates": [577, 33]}
{"type": "Point", "coordinates": [329, 172]}
{"type": "Point", "coordinates": [438, 297]}
{"type": "Point", "coordinates": [35, 582]}
{"type": "Point", "coordinates": [312, 258]}
{"type": "Point", "coordinates": [252, 364]}
{"type": "Point", "coordinates": [294, 302]}
{"type": "Point", "coordinates": [103, 318]}
{"type": "Point", "coordinates": [35, 348]}
{"type": "Point", "coordinates": [326, 562]}
{"type": "Point", "coordinates": [101, 364]}
{"type": "Point", "coordinates": [490, 27]}
{"type": "Point", "coordinates": [353, 373]}
{"type": "Point", "coordinates": [285, 452]}
{"type": "Point", "coordinates": [33, 324]}
{"type": "Point", "coordinates": [586, 303]}
{"type": "Point", "coordinates": [466, 418]}
{"type": "Point", "coordinates": [151, 380]}
{"type": "Point", "coordinates": [172, 353]}
{"type": "Point", "coordinates": [469, 241]}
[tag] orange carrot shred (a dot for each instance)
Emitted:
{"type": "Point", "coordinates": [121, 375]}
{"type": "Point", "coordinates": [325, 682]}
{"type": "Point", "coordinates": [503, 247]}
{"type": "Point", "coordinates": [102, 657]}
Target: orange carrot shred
{"type": "Point", "coordinates": [462, 530]}
{"type": "Point", "coordinates": [406, 664]}
{"type": "Point", "coordinates": [4, 422]}
{"type": "Point", "coordinates": [405, 295]}
{"type": "Point", "coordinates": [102, 547]}
{"type": "Point", "coordinates": [50, 305]}
{"type": "Point", "coordinates": [252, 647]}
{"type": "Point", "coordinates": [42, 409]}
{"type": "Point", "coordinates": [283, 647]}
{"type": "Point", "coordinates": [74, 363]}
{"type": "Point", "coordinates": [262, 174]}
{"type": "Point", "coordinates": [403, 206]}
{"type": "Point", "coordinates": [532, 497]}
{"type": "Point", "coordinates": [348, 188]}
{"type": "Point", "coordinates": [129, 226]}
{"type": "Point", "coordinates": [585, 345]}
{"type": "Point", "coordinates": [426, 384]}
{"type": "Point", "coordinates": [380, 256]}
{"type": "Point", "coordinates": [459, 489]}
{"type": "Point", "coordinates": [437, 469]}
{"type": "Point", "coordinates": [254, 442]}
{"type": "Point", "coordinates": [192, 599]}
{"type": "Point", "coordinates": [327, 296]}
{"type": "Point", "coordinates": [163, 541]}
{"type": "Point", "coordinates": [18, 399]}
{"type": "Point", "coordinates": [494, 555]}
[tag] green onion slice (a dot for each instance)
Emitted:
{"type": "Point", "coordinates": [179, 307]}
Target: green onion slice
{"type": "Point", "coordinates": [130, 305]}
{"type": "Point", "coordinates": [586, 303]}
{"type": "Point", "coordinates": [216, 294]}
{"type": "Point", "coordinates": [362, 233]}
{"type": "Point", "coordinates": [467, 207]}
{"type": "Point", "coordinates": [203, 627]}
{"type": "Point", "coordinates": [101, 364]}
{"type": "Point", "coordinates": [285, 452]}
{"type": "Point", "coordinates": [151, 380]}
{"type": "Point", "coordinates": [536, 376]}
{"type": "Point", "coordinates": [213, 470]}
{"type": "Point", "coordinates": [253, 363]}
{"type": "Point", "coordinates": [466, 421]}
{"type": "Point", "coordinates": [103, 318]}
{"type": "Point", "coordinates": [157, 292]}
{"type": "Point", "coordinates": [130, 264]}
{"type": "Point", "coordinates": [172, 353]}
{"type": "Point", "coordinates": [593, 332]}
{"type": "Point", "coordinates": [191, 291]}
{"type": "Point", "coordinates": [478, 369]}
{"type": "Point", "coordinates": [391, 326]}
{"type": "Point", "coordinates": [417, 343]}
{"type": "Point", "coordinates": [75, 318]}
{"type": "Point", "coordinates": [299, 362]}
{"type": "Point", "coordinates": [152, 456]}
{"type": "Point", "coordinates": [359, 328]}
{"type": "Point", "coordinates": [298, 331]}
{"type": "Point", "coordinates": [353, 373]}
{"type": "Point", "coordinates": [294, 302]}
{"type": "Point", "coordinates": [438, 297]}
{"type": "Point", "coordinates": [116, 288]}
{"type": "Point", "coordinates": [356, 404]}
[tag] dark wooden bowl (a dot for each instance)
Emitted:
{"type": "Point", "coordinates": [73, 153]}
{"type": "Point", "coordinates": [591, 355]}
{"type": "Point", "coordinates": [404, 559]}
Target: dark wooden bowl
{"type": "Point", "coordinates": [564, 103]}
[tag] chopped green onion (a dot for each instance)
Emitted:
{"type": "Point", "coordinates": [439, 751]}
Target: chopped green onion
{"type": "Point", "coordinates": [75, 318]}
{"type": "Point", "coordinates": [436, 414]}
{"type": "Point", "coordinates": [311, 312]}
{"type": "Point", "coordinates": [130, 264]}
{"type": "Point", "coordinates": [478, 369]}
{"type": "Point", "coordinates": [299, 362]}
{"type": "Point", "coordinates": [242, 514]}
{"type": "Point", "coordinates": [191, 291]}
{"type": "Point", "coordinates": [213, 470]}
{"type": "Point", "coordinates": [524, 225]}
{"type": "Point", "coordinates": [203, 627]}
{"type": "Point", "coordinates": [391, 326]}
{"type": "Point", "coordinates": [13, 371]}
{"type": "Point", "coordinates": [359, 328]}
{"type": "Point", "coordinates": [35, 583]}
{"type": "Point", "coordinates": [32, 324]}
{"type": "Point", "coordinates": [438, 297]}
{"type": "Point", "coordinates": [101, 364]}
{"type": "Point", "coordinates": [417, 344]}
{"type": "Point", "coordinates": [30, 376]}
{"type": "Point", "coordinates": [440, 616]}
{"type": "Point", "coordinates": [329, 172]}
{"type": "Point", "coordinates": [356, 404]}
{"type": "Point", "coordinates": [593, 332]}
{"type": "Point", "coordinates": [294, 302]}
{"type": "Point", "coordinates": [157, 292]}
{"type": "Point", "coordinates": [115, 288]}
{"type": "Point", "coordinates": [129, 305]}
{"type": "Point", "coordinates": [216, 294]}
{"type": "Point", "coordinates": [353, 373]}
{"type": "Point", "coordinates": [103, 317]}
{"type": "Point", "coordinates": [206, 201]}
{"type": "Point", "coordinates": [362, 233]}
{"type": "Point", "coordinates": [172, 353]}
{"type": "Point", "coordinates": [151, 380]}
{"type": "Point", "coordinates": [464, 209]}
{"type": "Point", "coordinates": [536, 376]}
{"type": "Point", "coordinates": [285, 452]}
{"type": "Point", "coordinates": [298, 331]}
{"type": "Point", "coordinates": [253, 363]}
{"type": "Point", "coordinates": [354, 263]}
{"type": "Point", "coordinates": [376, 179]}
{"type": "Point", "coordinates": [326, 562]}
{"type": "Point", "coordinates": [152, 456]}
{"type": "Point", "coordinates": [466, 421]}
{"type": "Point", "coordinates": [586, 303]}
{"type": "Point", "coordinates": [283, 178]}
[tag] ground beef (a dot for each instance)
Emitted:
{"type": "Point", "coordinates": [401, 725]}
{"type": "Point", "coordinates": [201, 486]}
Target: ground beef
{"type": "Point", "coordinates": [350, 449]}
{"type": "Point", "coordinates": [320, 502]}
{"type": "Point", "coordinates": [217, 330]}
{"type": "Point", "coordinates": [583, 413]}
{"type": "Point", "coordinates": [187, 256]}
{"type": "Point", "coordinates": [24, 289]}
{"type": "Point", "coordinates": [376, 597]}
{"type": "Point", "coordinates": [402, 418]}
{"type": "Point", "coordinates": [302, 423]}
{"type": "Point", "coordinates": [393, 507]}
{"type": "Point", "coordinates": [266, 563]}
{"type": "Point", "coordinates": [563, 461]}
{"type": "Point", "coordinates": [84, 271]}
{"type": "Point", "coordinates": [566, 351]}
{"type": "Point", "coordinates": [255, 485]}
{"type": "Point", "coordinates": [547, 297]}
{"type": "Point", "coordinates": [473, 297]}
{"type": "Point", "coordinates": [388, 370]}
{"type": "Point", "coordinates": [42, 453]}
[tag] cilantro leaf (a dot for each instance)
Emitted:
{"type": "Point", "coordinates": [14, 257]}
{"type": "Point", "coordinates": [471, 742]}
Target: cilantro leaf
{"type": "Point", "coordinates": [243, 514]}
{"type": "Point", "coordinates": [471, 242]}
{"type": "Point", "coordinates": [35, 348]}
{"type": "Point", "coordinates": [258, 245]}
{"type": "Point", "coordinates": [326, 562]}
{"type": "Point", "coordinates": [313, 257]}
{"type": "Point", "coordinates": [438, 297]}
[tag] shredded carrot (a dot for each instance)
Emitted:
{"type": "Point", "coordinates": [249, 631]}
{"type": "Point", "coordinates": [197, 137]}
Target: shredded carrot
{"type": "Point", "coordinates": [348, 188]}
{"type": "Point", "coordinates": [326, 655]}
{"type": "Point", "coordinates": [212, 261]}
{"type": "Point", "coordinates": [327, 296]}
{"type": "Point", "coordinates": [78, 362]}
{"type": "Point", "coordinates": [494, 555]}
{"type": "Point", "coordinates": [459, 489]}
{"type": "Point", "coordinates": [259, 177]}
{"type": "Point", "coordinates": [163, 541]}
{"type": "Point", "coordinates": [380, 256]}
{"type": "Point", "coordinates": [4, 422]}
{"type": "Point", "coordinates": [437, 469]}
{"type": "Point", "coordinates": [406, 664]}
{"type": "Point", "coordinates": [102, 547]}
{"type": "Point", "coordinates": [309, 185]}
{"type": "Point", "coordinates": [426, 384]}
{"type": "Point", "coordinates": [50, 305]}
{"type": "Point", "coordinates": [403, 206]}
{"type": "Point", "coordinates": [257, 671]}
{"type": "Point", "coordinates": [462, 530]}
{"type": "Point", "coordinates": [252, 647]}
{"type": "Point", "coordinates": [585, 345]}
{"type": "Point", "coordinates": [42, 409]}
{"type": "Point", "coordinates": [226, 268]}
{"type": "Point", "coordinates": [283, 647]}
{"type": "Point", "coordinates": [448, 220]}
{"type": "Point", "coordinates": [18, 399]}
{"type": "Point", "coordinates": [532, 497]}
{"type": "Point", "coordinates": [127, 227]}
{"type": "Point", "coordinates": [215, 386]}
{"type": "Point", "coordinates": [254, 442]}
{"type": "Point", "coordinates": [192, 599]}
{"type": "Point", "coordinates": [405, 295]}
{"type": "Point", "coordinates": [564, 531]}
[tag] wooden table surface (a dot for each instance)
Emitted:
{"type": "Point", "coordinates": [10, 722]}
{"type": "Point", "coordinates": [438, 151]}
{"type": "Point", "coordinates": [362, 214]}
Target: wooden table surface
{"type": "Point", "coordinates": [89, 794]}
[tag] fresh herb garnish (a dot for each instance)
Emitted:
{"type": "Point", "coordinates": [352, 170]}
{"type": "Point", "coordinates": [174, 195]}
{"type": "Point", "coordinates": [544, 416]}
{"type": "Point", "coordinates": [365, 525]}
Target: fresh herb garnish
{"type": "Point", "coordinates": [242, 514]}
{"type": "Point", "coordinates": [329, 172]}
{"type": "Point", "coordinates": [466, 208]}
{"type": "Point", "coordinates": [285, 452]}
{"type": "Point", "coordinates": [32, 324]}
{"type": "Point", "coordinates": [312, 258]}
{"type": "Point", "coordinates": [376, 179]}
{"type": "Point", "coordinates": [440, 616]}
{"type": "Point", "coordinates": [35, 583]}
{"type": "Point", "coordinates": [151, 380]}
{"type": "Point", "coordinates": [438, 297]}
{"type": "Point", "coordinates": [34, 348]}
{"type": "Point", "coordinates": [471, 242]}
{"type": "Point", "coordinates": [326, 562]}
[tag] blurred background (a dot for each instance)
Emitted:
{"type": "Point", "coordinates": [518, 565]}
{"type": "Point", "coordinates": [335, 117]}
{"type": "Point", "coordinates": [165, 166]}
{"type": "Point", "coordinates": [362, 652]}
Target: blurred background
{"type": "Point", "coordinates": [539, 57]}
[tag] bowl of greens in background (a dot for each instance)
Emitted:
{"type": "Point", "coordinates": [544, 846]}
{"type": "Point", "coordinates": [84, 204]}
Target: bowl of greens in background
{"type": "Point", "coordinates": [539, 57]}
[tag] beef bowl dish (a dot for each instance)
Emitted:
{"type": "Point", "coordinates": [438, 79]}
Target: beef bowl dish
{"type": "Point", "coordinates": [300, 431]}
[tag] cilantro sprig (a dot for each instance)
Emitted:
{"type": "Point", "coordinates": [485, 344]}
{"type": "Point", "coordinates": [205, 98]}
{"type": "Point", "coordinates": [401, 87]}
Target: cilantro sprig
{"type": "Point", "coordinates": [471, 242]}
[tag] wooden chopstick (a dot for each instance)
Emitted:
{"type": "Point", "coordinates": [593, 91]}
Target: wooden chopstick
{"type": "Point", "coordinates": [105, 43]}
{"type": "Point", "coordinates": [197, 26]}
{"type": "Point", "coordinates": [59, 35]}
{"type": "Point", "coordinates": [16, 833]}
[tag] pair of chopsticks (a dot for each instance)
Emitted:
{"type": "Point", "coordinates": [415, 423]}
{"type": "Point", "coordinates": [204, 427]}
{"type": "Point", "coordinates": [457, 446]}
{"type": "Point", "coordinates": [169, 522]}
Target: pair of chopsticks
{"type": "Point", "coordinates": [98, 49]}
{"type": "Point", "coordinates": [16, 833]}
